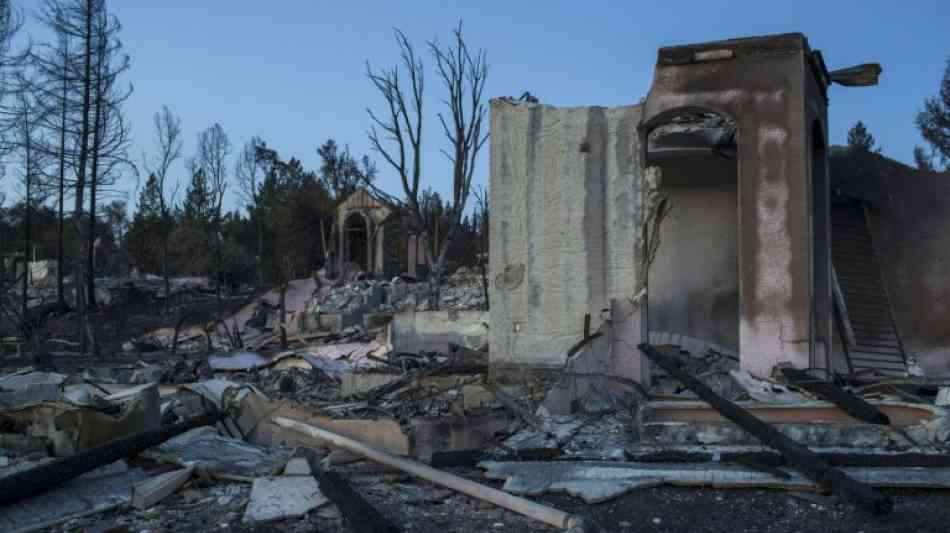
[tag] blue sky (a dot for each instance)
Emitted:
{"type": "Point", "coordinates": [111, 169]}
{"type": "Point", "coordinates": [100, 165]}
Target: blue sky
{"type": "Point", "coordinates": [292, 71]}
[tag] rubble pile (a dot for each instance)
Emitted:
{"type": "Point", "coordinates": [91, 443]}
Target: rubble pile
{"type": "Point", "coordinates": [253, 420]}
{"type": "Point", "coordinates": [462, 290]}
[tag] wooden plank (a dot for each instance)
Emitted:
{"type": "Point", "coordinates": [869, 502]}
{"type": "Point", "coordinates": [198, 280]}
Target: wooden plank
{"type": "Point", "coordinates": [841, 310]}
{"type": "Point", "coordinates": [146, 494]}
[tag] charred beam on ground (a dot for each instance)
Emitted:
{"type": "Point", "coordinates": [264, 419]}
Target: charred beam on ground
{"type": "Point", "coordinates": [797, 455]}
{"type": "Point", "coordinates": [358, 513]}
{"type": "Point", "coordinates": [849, 403]}
{"type": "Point", "coordinates": [40, 479]}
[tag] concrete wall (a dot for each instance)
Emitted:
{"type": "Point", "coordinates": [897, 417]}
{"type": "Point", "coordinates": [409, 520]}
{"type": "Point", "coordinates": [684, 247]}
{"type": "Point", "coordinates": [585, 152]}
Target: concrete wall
{"type": "Point", "coordinates": [433, 331]}
{"type": "Point", "coordinates": [565, 203]}
{"type": "Point", "coordinates": [764, 88]}
{"type": "Point", "coordinates": [694, 281]}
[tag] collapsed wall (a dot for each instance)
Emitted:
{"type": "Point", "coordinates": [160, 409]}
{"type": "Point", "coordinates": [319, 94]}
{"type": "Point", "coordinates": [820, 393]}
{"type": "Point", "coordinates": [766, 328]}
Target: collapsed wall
{"type": "Point", "coordinates": [565, 200]}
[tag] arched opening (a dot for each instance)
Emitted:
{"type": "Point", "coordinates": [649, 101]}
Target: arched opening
{"type": "Point", "coordinates": [694, 279]}
{"type": "Point", "coordinates": [356, 240]}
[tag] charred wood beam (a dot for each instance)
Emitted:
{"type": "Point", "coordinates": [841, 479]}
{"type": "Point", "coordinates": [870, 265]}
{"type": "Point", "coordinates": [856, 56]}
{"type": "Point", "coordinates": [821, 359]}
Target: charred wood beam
{"type": "Point", "coordinates": [40, 479]}
{"type": "Point", "coordinates": [798, 456]}
{"type": "Point", "coordinates": [849, 403]}
{"type": "Point", "coordinates": [452, 458]}
{"type": "Point", "coordinates": [358, 513]}
{"type": "Point", "coordinates": [583, 342]}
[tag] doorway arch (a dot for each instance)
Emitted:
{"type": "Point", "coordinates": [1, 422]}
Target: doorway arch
{"type": "Point", "coordinates": [356, 240]}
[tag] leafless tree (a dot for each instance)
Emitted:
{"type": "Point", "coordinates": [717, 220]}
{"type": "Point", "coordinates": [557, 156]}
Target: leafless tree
{"type": "Point", "coordinates": [55, 85]}
{"type": "Point", "coordinates": [25, 140]}
{"type": "Point", "coordinates": [463, 74]}
{"type": "Point", "coordinates": [248, 171]}
{"type": "Point", "coordinates": [168, 145]}
{"type": "Point", "coordinates": [75, 21]}
{"type": "Point", "coordinates": [10, 23]}
{"type": "Point", "coordinates": [110, 131]}
{"type": "Point", "coordinates": [482, 219]}
{"type": "Point", "coordinates": [213, 150]}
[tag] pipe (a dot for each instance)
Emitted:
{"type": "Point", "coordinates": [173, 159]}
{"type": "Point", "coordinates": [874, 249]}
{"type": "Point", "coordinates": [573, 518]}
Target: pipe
{"type": "Point", "coordinates": [539, 512]}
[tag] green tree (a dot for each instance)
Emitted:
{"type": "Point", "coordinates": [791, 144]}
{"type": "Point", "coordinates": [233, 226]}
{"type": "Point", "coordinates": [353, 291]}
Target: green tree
{"type": "Point", "coordinates": [933, 120]}
{"type": "Point", "coordinates": [860, 139]}
{"type": "Point", "coordinates": [198, 206]}
{"type": "Point", "coordinates": [146, 228]}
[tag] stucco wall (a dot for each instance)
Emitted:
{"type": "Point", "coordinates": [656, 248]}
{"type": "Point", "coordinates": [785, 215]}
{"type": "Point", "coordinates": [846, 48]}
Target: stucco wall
{"type": "Point", "coordinates": [910, 226]}
{"type": "Point", "coordinates": [911, 229]}
{"type": "Point", "coordinates": [694, 281]}
{"type": "Point", "coordinates": [565, 212]}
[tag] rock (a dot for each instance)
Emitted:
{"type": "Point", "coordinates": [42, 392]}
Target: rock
{"type": "Point", "coordinates": [329, 512]}
{"type": "Point", "coordinates": [217, 455]}
{"type": "Point", "coordinates": [297, 466]}
{"type": "Point", "coordinates": [191, 496]}
{"type": "Point", "coordinates": [943, 397]}
{"type": "Point", "coordinates": [283, 497]}
{"type": "Point", "coordinates": [149, 374]}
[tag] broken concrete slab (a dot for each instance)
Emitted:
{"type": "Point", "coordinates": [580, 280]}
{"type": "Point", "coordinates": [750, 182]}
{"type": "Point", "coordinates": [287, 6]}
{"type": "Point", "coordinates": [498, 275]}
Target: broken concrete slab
{"type": "Point", "coordinates": [29, 395]}
{"type": "Point", "coordinates": [584, 383]}
{"type": "Point", "coordinates": [454, 433]}
{"type": "Point", "coordinates": [94, 492]}
{"type": "Point", "coordinates": [28, 388]}
{"type": "Point", "coordinates": [815, 412]}
{"type": "Point", "coordinates": [835, 456]}
{"type": "Point", "coordinates": [219, 456]}
{"type": "Point", "coordinates": [422, 437]}
{"type": "Point", "coordinates": [352, 384]}
{"type": "Point", "coordinates": [943, 397]}
{"type": "Point", "coordinates": [26, 377]}
{"type": "Point", "coordinates": [558, 430]}
{"type": "Point", "coordinates": [434, 331]}
{"type": "Point", "coordinates": [214, 390]}
{"type": "Point", "coordinates": [240, 361]}
{"type": "Point", "coordinates": [146, 494]}
{"type": "Point", "coordinates": [297, 466]}
{"type": "Point", "coordinates": [278, 498]}
{"type": "Point", "coordinates": [597, 481]}
{"type": "Point", "coordinates": [766, 391]}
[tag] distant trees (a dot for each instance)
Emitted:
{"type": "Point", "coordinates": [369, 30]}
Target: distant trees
{"type": "Point", "coordinates": [248, 172]}
{"type": "Point", "coordinates": [168, 146]}
{"type": "Point", "coordinates": [860, 139]}
{"type": "Point", "coordinates": [341, 175]}
{"type": "Point", "coordinates": [933, 121]}
{"type": "Point", "coordinates": [211, 162]}
{"type": "Point", "coordinates": [74, 81]}
{"type": "Point", "coordinates": [148, 225]}
{"type": "Point", "coordinates": [396, 135]}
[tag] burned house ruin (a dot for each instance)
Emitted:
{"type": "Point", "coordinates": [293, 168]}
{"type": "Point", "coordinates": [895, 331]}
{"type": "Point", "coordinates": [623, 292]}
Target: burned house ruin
{"type": "Point", "coordinates": [732, 135]}
{"type": "Point", "coordinates": [376, 238]}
